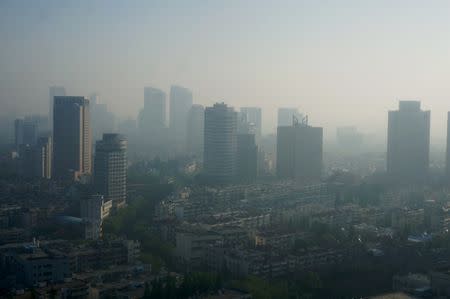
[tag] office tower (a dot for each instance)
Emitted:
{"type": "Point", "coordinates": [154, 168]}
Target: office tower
{"type": "Point", "coordinates": [152, 121]}
{"type": "Point", "coordinates": [53, 92]}
{"type": "Point", "coordinates": [220, 143]}
{"type": "Point", "coordinates": [247, 156]}
{"type": "Point", "coordinates": [195, 128]}
{"type": "Point", "coordinates": [34, 161]}
{"type": "Point", "coordinates": [180, 104]}
{"type": "Point", "coordinates": [110, 170]}
{"type": "Point", "coordinates": [286, 115]}
{"type": "Point", "coordinates": [25, 132]}
{"type": "Point", "coordinates": [253, 116]}
{"type": "Point", "coordinates": [408, 142]}
{"type": "Point", "coordinates": [43, 154]}
{"type": "Point", "coordinates": [102, 120]}
{"type": "Point", "coordinates": [299, 151]}
{"type": "Point", "coordinates": [71, 137]}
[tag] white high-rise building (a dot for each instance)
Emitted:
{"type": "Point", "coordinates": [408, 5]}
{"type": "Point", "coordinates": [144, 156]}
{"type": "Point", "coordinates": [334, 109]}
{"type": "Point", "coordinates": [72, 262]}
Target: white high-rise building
{"type": "Point", "coordinates": [220, 144]}
{"type": "Point", "coordinates": [110, 171]}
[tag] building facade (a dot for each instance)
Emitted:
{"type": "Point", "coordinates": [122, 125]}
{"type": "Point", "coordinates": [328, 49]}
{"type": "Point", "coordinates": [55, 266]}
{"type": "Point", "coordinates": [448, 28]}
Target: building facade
{"type": "Point", "coordinates": [110, 171]}
{"type": "Point", "coordinates": [408, 145]}
{"type": "Point", "coordinates": [180, 105]}
{"type": "Point", "coordinates": [299, 152]}
{"type": "Point", "coordinates": [71, 137]}
{"type": "Point", "coordinates": [220, 143]}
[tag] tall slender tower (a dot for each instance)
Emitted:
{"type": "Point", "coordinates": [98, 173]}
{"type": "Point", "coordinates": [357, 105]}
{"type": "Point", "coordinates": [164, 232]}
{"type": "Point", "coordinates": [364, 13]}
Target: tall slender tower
{"type": "Point", "coordinates": [71, 137]}
{"type": "Point", "coordinates": [110, 171]}
{"type": "Point", "coordinates": [220, 144]}
{"type": "Point", "coordinates": [180, 104]}
{"type": "Point", "coordinates": [408, 145]}
{"type": "Point", "coordinates": [53, 91]}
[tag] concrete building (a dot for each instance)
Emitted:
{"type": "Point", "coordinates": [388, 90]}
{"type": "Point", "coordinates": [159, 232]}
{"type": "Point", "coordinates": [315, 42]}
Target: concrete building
{"type": "Point", "coordinates": [180, 105]}
{"type": "Point", "coordinates": [44, 156]}
{"type": "Point", "coordinates": [195, 130]}
{"type": "Point", "coordinates": [253, 116]}
{"type": "Point", "coordinates": [151, 122]}
{"type": "Point", "coordinates": [110, 171]}
{"type": "Point", "coordinates": [299, 151]}
{"type": "Point", "coordinates": [220, 143]}
{"type": "Point", "coordinates": [71, 137]}
{"type": "Point", "coordinates": [54, 91]}
{"type": "Point", "coordinates": [102, 120]}
{"type": "Point", "coordinates": [247, 158]}
{"type": "Point", "coordinates": [153, 116]}
{"type": "Point", "coordinates": [408, 145]}
{"type": "Point", "coordinates": [285, 116]}
{"type": "Point", "coordinates": [93, 210]}
{"type": "Point", "coordinates": [25, 132]}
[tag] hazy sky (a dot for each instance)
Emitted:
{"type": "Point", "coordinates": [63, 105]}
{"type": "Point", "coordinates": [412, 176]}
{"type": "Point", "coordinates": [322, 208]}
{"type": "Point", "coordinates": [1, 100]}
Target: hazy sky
{"type": "Point", "coordinates": [342, 62]}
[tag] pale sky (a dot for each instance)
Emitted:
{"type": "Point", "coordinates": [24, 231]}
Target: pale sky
{"type": "Point", "coordinates": [342, 62]}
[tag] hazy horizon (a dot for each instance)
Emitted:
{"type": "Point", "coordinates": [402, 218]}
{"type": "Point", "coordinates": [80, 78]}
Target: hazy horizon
{"type": "Point", "coordinates": [341, 62]}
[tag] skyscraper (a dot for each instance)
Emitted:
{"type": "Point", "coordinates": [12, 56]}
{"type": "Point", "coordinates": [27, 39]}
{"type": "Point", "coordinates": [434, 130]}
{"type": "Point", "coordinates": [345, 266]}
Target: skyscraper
{"type": "Point", "coordinates": [195, 128]}
{"type": "Point", "coordinates": [253, 116]}
{"type": "Point", "coordinates": [102, 120]}
{"type": "Point", "coordinates": [25, 132]}
{"type": "Point", "coordinates": [71, 137]}
{"type": "Point", "coordinates": [153, 116]}
{"type": "Point", "coordinates": [110, 169]}
{"type": "Point", "coordinates": [408, 142]}
{"type": "Point", "coordinates": [53, 92]}
{"type": "Point", "coordinates": [247, 157]}
{"type": "Point", "coordinates": [299, 151]}
{"type": "Point", "coordinates": [285, 116]}
{"type": "Point", "coordinates": [152, 121]}
{"type": "Point", "coordinates": [180, 104]}
{"type": "Point", "coordinates": [220, 143]}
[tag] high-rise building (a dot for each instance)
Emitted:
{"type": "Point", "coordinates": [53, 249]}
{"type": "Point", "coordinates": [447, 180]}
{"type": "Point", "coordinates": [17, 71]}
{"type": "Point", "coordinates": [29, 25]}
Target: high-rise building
{"type": "Point", "coordinates": [220, 143]}
{"type": "Point", "coordinates": [180, 105]}
{"type": "Point", "coordinates": [71, 137]}
{"type": "Point", "coordinates": [94, 209]}
{"type": "Point", "coordinates": [195, 128]}
{"type": "Point", "coordinates": [253, 116]}
{"type": "Point", "coordinates": [408, 142]}
{"type": "Point", "coordinates": [286, 115]}
{"type": "Point", "coordinates": [43, 154]}
{"type": "Point", "coordinates": [25, 131]}
{"type": "Point", "coordinates": [247, 156]}
{"type": "Point", "coordinates": [102, 120]}
{"type": "Point", "coordinates": [110, 169]}
{"type": "Point", "coordinates": [53, 92]}
{"type": "Point", "coordinates": [152, 122]}
{"type": "Point", "coordinates": [34, 161]}
{"type": "Point", "coordinates": [299, 151]}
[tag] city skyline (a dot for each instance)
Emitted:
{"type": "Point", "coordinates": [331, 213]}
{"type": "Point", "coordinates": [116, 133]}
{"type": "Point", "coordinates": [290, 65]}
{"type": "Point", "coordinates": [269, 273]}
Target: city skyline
{"type": "Point", "coordinates": [318, 55]}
